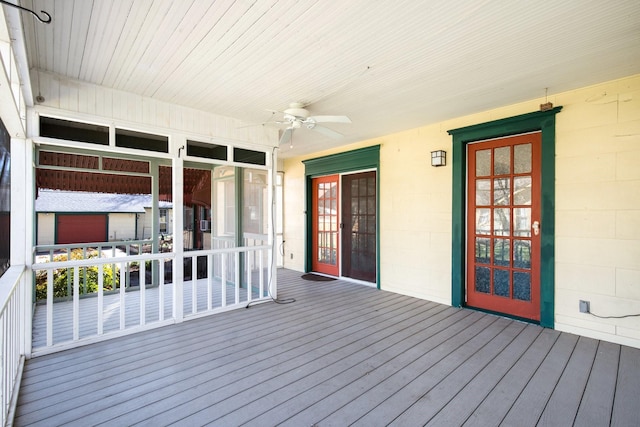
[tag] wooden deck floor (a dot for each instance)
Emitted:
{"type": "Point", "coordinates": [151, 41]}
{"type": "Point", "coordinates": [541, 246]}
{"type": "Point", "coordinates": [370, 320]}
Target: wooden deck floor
{"type": "Point", "coordinates": [342, 354]}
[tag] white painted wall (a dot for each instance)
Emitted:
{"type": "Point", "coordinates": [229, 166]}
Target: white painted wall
{"type": "Point", "coordinates": [122, 226]}
{"type": "Point", "coordinates": [597, 208]}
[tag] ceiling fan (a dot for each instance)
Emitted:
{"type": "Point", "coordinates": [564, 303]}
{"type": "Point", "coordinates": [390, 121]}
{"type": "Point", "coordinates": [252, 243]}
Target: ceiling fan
{"type": "Point", "coordinates": [296, 117]}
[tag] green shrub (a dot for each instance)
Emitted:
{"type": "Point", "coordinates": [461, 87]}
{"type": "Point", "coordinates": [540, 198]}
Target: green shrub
{"type": "Point", "coordinates": [63, 278]}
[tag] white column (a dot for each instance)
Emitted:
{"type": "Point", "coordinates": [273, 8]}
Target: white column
{"type": "Point", "coordinates": [178, 241]}
{"type": "Point", "coordinates": [271, 228]}
{"type": "Point", "coordinates": [22, 229]}
{"type": "Point", "coordinates": [155, 217]}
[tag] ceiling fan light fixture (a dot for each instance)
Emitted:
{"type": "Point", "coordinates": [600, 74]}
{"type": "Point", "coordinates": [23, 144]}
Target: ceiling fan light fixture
{"type": "Point", "coordinates": [297, 109]}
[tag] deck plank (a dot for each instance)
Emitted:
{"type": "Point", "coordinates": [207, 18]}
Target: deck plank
{"type": "Point", "coordinates": [460, 407]}
{"type": "Point", "coordinates": [626, 406]}
{"type": "Point", "coordinates": [565, 399]}
{"type": "Point", "coordinates": [342, 353]}
{"type": "Point", "coordinates": [597, 400]}
{"type": "Point", "coordinates": [325, 349]}
{"type": "Point", "coordinates": [432, 402]}
{"type": "Point", "coordinates": [528, 408]}
{"type": "Point", "coordinates": [159, 372]}
{"type": "Point", "coordinates": [401, 390]}
{"type": "Point", "coordinates": [331, 380]}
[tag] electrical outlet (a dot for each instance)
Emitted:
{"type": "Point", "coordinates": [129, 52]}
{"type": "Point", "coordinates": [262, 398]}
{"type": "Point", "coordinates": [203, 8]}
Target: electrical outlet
{"type": "Point", "coordinates": [584, 306]}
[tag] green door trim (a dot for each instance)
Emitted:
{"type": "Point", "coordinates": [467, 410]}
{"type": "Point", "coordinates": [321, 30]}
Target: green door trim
{"type": "Point", "coordinates": [350, 161]}
{"type": "Point", "coordinates": [545, 122]}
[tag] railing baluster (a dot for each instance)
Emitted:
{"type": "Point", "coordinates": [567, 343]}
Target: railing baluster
{"type": "Point", "coordinates": [84, 271]}
{"type": "Point", "coordinates": [223, 279]}
{"type": "Point", "coordinates": [237, 270]}
{"type": "Point", "coordinates": [194, 284]}
{"type": "Point", "coordinates": [123, 307]}
{"type": "Point", "coordinates": [49, 307]}
{"type": "Point", "coordinates": [209, 280]}
{"type": "Point", "coordinates": [101, 298]}
{"type": "Point", "coordinates": [76, 303]}
{"type": "Point", "coordinates": [249, 263]}
{"type": "Point", "coordinates": [161, 291]}
{"type": "Point", "coordinates": [261, 258]}
{"type": "Point", "coordinates": [143, 286]}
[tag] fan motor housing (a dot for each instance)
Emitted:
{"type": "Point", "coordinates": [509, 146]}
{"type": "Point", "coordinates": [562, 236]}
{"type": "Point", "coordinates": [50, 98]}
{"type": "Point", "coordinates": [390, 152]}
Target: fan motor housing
{"type": "Point", "coordinates": [296, 109]}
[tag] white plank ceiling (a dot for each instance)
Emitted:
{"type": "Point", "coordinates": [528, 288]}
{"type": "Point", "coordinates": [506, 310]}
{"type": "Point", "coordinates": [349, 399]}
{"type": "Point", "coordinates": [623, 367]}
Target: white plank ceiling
{"type": "Point", "coordinates": [388, 65]}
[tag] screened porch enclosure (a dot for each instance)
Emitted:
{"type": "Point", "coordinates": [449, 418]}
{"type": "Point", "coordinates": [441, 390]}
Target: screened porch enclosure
{"type": "Point", "coordinates": [211, 253]}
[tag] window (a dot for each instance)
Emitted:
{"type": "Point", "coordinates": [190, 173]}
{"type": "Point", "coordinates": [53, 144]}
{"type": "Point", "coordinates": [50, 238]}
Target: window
{"type": "Point", "coordinates": [254, 219]}
{"type": "Point", "coordinates": [241, 155]}
{"type": "Point", "coordinates": [74, 131]}
{"type": "Point", "coordinates": [206, 151]}
{"type": "Point", "coordinates": [163, 220]}
{"type": "Point", "coordinates": [141, 141]}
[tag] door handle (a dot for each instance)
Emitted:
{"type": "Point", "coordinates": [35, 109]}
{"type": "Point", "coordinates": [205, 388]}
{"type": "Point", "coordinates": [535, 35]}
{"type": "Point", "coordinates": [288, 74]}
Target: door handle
{"type": "Point", "coordinates": [536, 228]}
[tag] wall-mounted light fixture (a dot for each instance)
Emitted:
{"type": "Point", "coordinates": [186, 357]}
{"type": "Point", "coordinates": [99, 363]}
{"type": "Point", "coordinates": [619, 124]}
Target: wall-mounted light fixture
{"type": "Point", "coordinates": [438, 158]}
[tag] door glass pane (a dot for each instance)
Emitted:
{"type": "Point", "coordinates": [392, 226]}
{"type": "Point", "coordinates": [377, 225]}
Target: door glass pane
{"type": "Point", "coordinates": [483, 277]}
{"type": "Point", "coordinates": [522, 158]}
{"type": "Point", "coordinates": [502, 161]}
{"type": "Point", "coordinates": [522, 254]}
{"type": "Point", "coordinates": [522, 286]}
{"type": "Point", "coordinates": [501, 191]}
{"type": "Point", "coordinates": [483, 221]}
{"type": "Point", "coordinates": [483, 192]}
{"type": "Point", "coordinates": [522, 222]}
{"type": "Point", "coordinates": [483, 250]}
{"type": "Point", "coordinates": [483, 163]}
{"type": "Point", "coordinates": [502, 222]}
{"type": "Point", "coordinates": [501, 252]}
{"type": "Point", "coordinates": [501, 283]}
{"type": "Point", "coordinates": [522, 190]}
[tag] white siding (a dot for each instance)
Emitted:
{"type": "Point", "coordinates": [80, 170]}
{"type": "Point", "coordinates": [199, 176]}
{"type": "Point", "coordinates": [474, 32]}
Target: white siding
{"type": "Point", "coordinates": [122, 226]}
{"type": "Point", "coordinates": [97, 103]}
{"type": "Point", "coordinates": [46, 229]}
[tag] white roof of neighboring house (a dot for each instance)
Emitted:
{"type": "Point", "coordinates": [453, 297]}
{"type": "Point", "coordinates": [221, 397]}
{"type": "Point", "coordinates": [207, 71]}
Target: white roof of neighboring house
{"type": "Point", "coordinates": [75, 201]}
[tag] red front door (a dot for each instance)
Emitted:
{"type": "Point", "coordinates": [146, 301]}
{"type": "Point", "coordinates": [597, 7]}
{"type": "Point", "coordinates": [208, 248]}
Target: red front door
{"type": "Point", "coordinates": [503, 225]}
{"type": "Point", "coordinates": [325, 225]}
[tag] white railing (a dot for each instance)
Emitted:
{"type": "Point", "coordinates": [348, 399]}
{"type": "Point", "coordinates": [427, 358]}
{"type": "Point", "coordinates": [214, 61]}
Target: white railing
{"type": "Point", "coordinates": [105, 249]}
{"type": "Point", "coordinates": [15, 315]}
{"type": "Point", "coordinates": [242, 275]}
{"type": "Point", "coordinates": [211, 281]}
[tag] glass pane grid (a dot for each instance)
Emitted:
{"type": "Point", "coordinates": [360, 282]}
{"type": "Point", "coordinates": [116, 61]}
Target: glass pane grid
{"type": "Point", "coordinates": [503, 185]}
{"type": "Point", "coordinates": [327, 223]}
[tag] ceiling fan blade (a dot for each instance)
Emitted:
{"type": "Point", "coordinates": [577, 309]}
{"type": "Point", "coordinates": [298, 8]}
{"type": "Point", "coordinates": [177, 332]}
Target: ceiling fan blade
{"type": "Point", "coordinates": [326, 131]}
{"type": "Point", "coordinates": [331, 119]}
{"type": "Point", "coordinates": [287, 134]}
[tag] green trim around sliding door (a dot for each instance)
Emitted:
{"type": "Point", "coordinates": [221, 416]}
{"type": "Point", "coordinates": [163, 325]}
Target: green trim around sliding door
{"type": "Point", "coordinates": [350, 161]}
{"type": "Point", "coordinates": [543, 121]}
